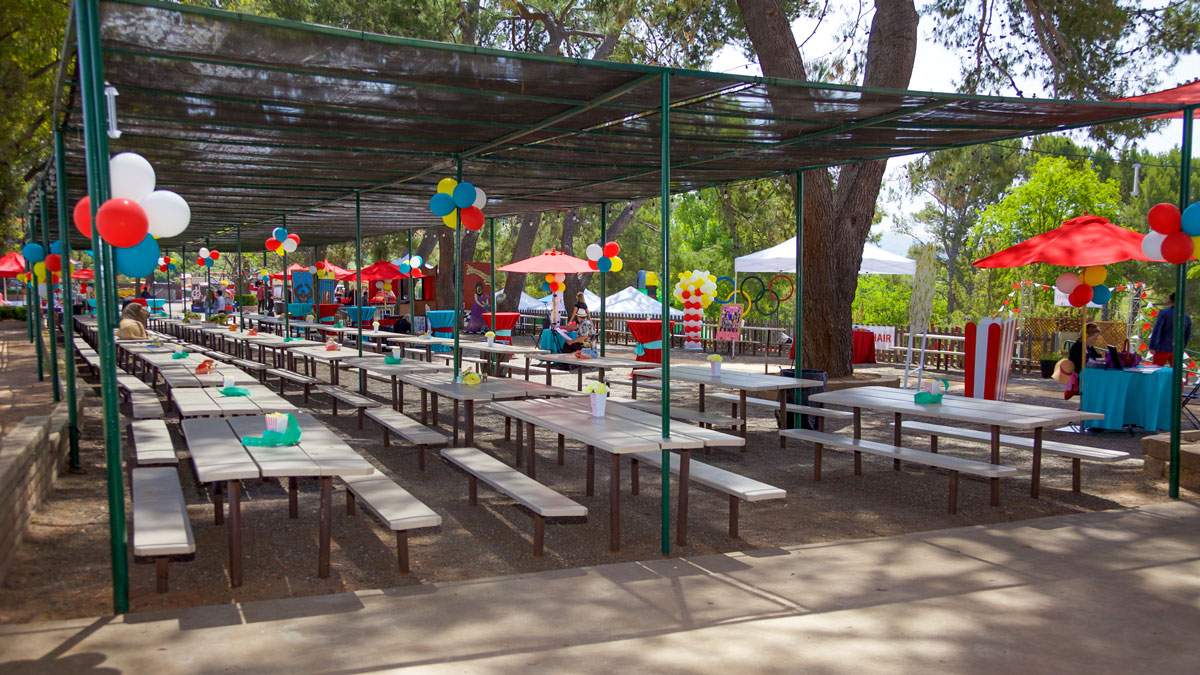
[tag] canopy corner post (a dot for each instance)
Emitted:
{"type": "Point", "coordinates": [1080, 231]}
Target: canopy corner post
{"type": "Point", "coordinates": [412, 286]}
{"type": "Point", "coordinates": [68, 302]}
{"type": "Point", "coordinates": [457, 270]}
{"type": "Point", "coordinates": [603, 285]}
{"type": "Point", "coordinates": [1185, 178]}
{"type": "Point", "coordinates": [241, 273]}
{"type": "Point", "coordinates": [492, 269]}
{"type": "Point", "coordinates": [358, 321]}
{"type": "Point", "coordinates": [664, 141]}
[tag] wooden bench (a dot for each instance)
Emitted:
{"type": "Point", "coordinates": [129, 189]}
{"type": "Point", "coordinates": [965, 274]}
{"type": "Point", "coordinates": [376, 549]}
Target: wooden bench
{"type": "Point", "coordinates": [739, 488]}
{"type": "Point", "coordinates": [540, 500]}
{"type": "Point", "coordinates": [258, 370]}
{"type": "Point", "coordinates": [639, 383]}
{"type": "Point", "coordinates": [349, 398]}
{"type": "Point", "coordinates": [395, 422]}
{"type": "Point", "coordinates": [1077, 453]}
{"type": "Point", "coordinates": [286, 375]}
{"type": "Point", "coordinates": [955, 465]}
{"type": "Point", "coordinates": [143, 401]}
{"type": "Point", "coordinates": [418, 354]}
{"type": "Point", "coordinates": [449, 359]}
{"type": "Point", "coordinates": [392, 504]}
{"type": "Point", "coordinates": [823, 413]}
{"type": "Point", "coordinates": [161, 529]}
{"type": "Point", "coordinates": [703, 418]}
{"type": "Point", "coordinates": [152, 444]}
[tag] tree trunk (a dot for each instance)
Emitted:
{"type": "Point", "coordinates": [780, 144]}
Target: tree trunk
{"type": "Point", "coordinates": [514, 282]}
{"type": "Point", "coordinates": [837, 220]}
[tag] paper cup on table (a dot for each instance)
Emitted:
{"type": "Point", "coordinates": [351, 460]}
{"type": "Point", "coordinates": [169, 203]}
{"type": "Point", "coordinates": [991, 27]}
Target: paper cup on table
{"type": "Point", "coordinates": [397, 353]}
{"type": "Point", "coordinates": [228, 381]}
{"type": "Point", "coordinates": [716, 368]}
{"type": "Point", "coordinates": [598, 403]}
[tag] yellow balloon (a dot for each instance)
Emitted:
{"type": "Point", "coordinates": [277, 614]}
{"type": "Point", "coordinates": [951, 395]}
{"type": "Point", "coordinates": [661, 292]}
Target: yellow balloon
{"type": "Point", "coordinates": [1094, 275]}
{"type": "Point", "coordinates": [447, 185]}
{"type": "Point", "coordinates": [1195, 246]}
{"type": "Point", "coordinates": [450, 220]}
{"type": "Point", "coordinates": [617, 264]}
{"type": "Point", "coordinates": [281, 252]}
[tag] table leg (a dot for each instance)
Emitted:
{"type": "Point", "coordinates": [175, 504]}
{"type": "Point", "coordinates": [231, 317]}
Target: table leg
{"type": "Point", "coordinates": [995, 460]}
{"type": "Point", "coordinates": [701, 402]}
{"type": "Point", "coordinates": [526, 368]}
{"type": "Point", "coordinates": [896, 429]}
{"type": "Point", "coordinates": [682, 517]}
{"type": "Point", "coordinates": [579, 386]}
{"type": "Point", "coordinates": [742, 412]}
{"type": "Point", "coordinates": [784, 422]}
{"type": "Point", "coordinates": [326, 526]}
{"type": "Point", "coordinates": [469, 422]}
{"type": "Point", "coordinates": [547, 373]}
{"type": "Point", "coordinates": [1036, 486]}
{"type": "Point", "coordinates": [591, 471]}
{"type": "Point", "coordinates": [424, 406]}
{"type": "Point", "coordinates": [562, 449]}
{"type": "Point", "coordinates": [455, 422]}
{"type": "Point", "coordinates": [397, 397]}
{"type": "Point", "coordinates": [362, 378]}
{"type": "Point", "coordinates": [293, 504]}
{"type": "Point", "coordinates": [531, 470]}
{"type": "Point", "coordinates": [235, 532]}
{"type": "Point", "coordinates": [614, 503]}
{"type": "Point", "coordinates": [433, 409]}
{"type": "Point", "coordinates": [857, 435]}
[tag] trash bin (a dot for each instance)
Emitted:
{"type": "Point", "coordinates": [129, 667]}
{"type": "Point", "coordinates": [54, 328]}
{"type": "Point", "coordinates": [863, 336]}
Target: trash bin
{"type": "Point", "coordinates": [800, 396]}
{"type": "Point", "coordinates": [1047, 367]}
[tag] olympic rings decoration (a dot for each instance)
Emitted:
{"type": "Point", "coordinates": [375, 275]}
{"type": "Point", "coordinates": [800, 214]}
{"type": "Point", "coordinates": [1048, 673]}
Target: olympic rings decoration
{"type": "Point", "coordinates": [791, 286]}
{"type": "Point", "coordinates": [755, 296]}
{"type": "Point", "coordinates": [728, 297]}
{"type": "Point", "coordinates": [765, 293]}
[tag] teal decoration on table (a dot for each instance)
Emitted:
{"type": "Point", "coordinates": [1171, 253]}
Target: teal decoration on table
{"type": "Point", "coordinates": [289, 339]}
{"type": "Point", "coordinates": [179, 355]}
{"type": "Point", "coordinates": [393, 361]}
{"type": "Point", "coordinates": [270, 439]}
{"type": "Point", "coordinates": [234, 391]}
{"type": "Point", "coordinates": [929, 397]}
{"type": "Point", "coordinates": [640, 348]}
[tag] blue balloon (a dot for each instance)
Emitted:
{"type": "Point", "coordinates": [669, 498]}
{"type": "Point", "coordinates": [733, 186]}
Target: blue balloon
{"type": "Point", "coordinates": [1101, 294]}
{"type": "Point", "coordinates": [1191, 220]}
{"type": "Point", "coordinates": [604, 264]}
{"type": "Point", "coordinates": [33, 253]}
{"type": "Point", "coordinates": [139, 260]}
{"type": "Point", "coordinates": [464, 195]}
{"type": "Point", "coordinates": [545, 285]}
{"type": "Point", "coordinates": [441, 204]}
{"type": "Point", "coordinates": [208, 262]}
{"type": "Point", "coordinates": [280, 233]}
{"type": "Point", "coordinates": [404, 268]}
{"type": "Point", "coordinates": [56, 247]}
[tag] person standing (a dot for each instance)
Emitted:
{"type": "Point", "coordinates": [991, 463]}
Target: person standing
{"type": "Point", "coordinates": [1162, 337]}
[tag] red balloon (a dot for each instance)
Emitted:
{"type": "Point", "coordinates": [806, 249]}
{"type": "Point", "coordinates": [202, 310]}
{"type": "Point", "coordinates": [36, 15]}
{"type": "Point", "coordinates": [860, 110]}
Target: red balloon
{"type": "Point", "coordinates": [200, 262]}
{"type": "Point", "coordinates": [612, 249]}
{"type": "Point", "coordinates": [1177, 247]}
{"type": "Point", "coordinates": [162, 268]}
{"type": "Point", "coordinates": [214, 254]}
{"type": "Point", "coordinates": [320, 264]}
{"type": "Point", "coordinates": [1164, 218]}
{"type": "Point", "coordinates": [1081, 296]}
{"type": "Point", "coordinates": [83, 217]}
{"type": "Point", "coordinates": [122, 222]}
{"type": "Point", "coordinates": [592, 264]}
{"type": "Point", "coordinates": [471, 218]}
{"type": "Point", "coordinates": [272, 243]}
{"type": "Point", "coordinates": [54, 262]}
{"type": "Point", "coordinates": [295, 237]}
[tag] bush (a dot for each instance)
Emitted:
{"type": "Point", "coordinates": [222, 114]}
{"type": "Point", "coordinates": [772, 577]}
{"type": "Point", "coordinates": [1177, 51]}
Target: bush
{"type": "Point", "coordinates": [247, 300]}
{"type": "Point", "coordinates": [14, 312]}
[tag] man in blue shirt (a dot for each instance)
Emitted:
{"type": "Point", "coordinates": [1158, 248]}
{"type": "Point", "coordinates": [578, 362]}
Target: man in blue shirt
{"type": "Point", "coordinates": [1162, 338]}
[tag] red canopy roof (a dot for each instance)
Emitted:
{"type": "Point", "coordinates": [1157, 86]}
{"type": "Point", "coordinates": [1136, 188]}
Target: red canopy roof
{"type": "Point", "coordinates": [549, 262]}
{"type": "Point", "coordinates": [83, 274]}
{"type": "Point", "coordinates": [294, 267]}
{"type": "Point", "coordinates": [1184, 94]}
{"type": "Point", "coordinates": [11, 264]}
{"type": "Point", "coordinates": [1079, 242]}
{"type": "Point", "coordinates": [381, 270]}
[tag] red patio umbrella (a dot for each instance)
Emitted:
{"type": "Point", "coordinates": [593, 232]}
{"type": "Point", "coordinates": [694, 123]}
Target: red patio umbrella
{"type": "Point", "coordinates": [11, 264]}
{"type": "Point", "coordinates": [1080, 242]}
{"type": "Point", "coordinates": [549, 262]}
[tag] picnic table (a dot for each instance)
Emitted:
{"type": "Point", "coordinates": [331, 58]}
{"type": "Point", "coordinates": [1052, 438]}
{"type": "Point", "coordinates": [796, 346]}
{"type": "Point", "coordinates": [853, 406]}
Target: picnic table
{"type": "Point", "coordinates": [497, 349]}
{"type": "Point", "coordinates": [181, 373]}
{"type": "Point", "coordinates": [332, 357]}
{"type": "Point", "coordinates": [600, 363]}
{"type": "Point", "coordinates": [622, 431]}
{"type": "Point", "coordinates": [375, 363]}
{"type": "Point", "coordinates": [219, 456]}
{"type": "Point", "coordinates": [379, 337]}
{"type": "Point", "coordinates": [427, 341]}
{"type": "Point", "coordinates": [210, 402]}
{"type": "Point", "coordinates": [494, 389]}
{"type": "Point", "coordinates": [743, 382]}
{"type": "Point", "coordinates": [996, 414]}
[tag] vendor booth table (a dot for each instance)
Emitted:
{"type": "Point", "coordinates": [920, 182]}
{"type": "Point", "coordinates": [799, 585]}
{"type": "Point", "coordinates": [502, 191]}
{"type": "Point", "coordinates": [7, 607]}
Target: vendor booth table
{"type": "Point", "coordinates": [647, 335]}
{"type": "Point", "coordinates": [502, 324]}
{"type": "Point", "coordinates": [441, 324]}
{"type": "Point", "coordinates": [1136, 397]}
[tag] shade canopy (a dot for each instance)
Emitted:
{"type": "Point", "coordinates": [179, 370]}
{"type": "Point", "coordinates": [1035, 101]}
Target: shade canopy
{"type": "Point", "coordinates": [1079, 242]}
{"type": "Point", "coordinates": [11, 264]}
{"type": "Point", "coordinates": [549, 262]}
{"type": "Point", "coordinates": [782, 258]}
{"type": "Point", "coordinates": [330, 267]}
{"type": "Point", "coordinates": [630, 300]}
{"type": "Point", "coordinates": [1184, 94]}
{"type": "Point", "coordinates": [252, 119]}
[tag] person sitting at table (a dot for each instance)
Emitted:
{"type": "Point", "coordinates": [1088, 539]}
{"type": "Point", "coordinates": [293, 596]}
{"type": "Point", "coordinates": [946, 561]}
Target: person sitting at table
{"type": "Point", "coordinates": [1095, 347]}
{"type": "Point", "coordinates": [584, 332]}
{"type": "Point", "coordinates": [133, 322]}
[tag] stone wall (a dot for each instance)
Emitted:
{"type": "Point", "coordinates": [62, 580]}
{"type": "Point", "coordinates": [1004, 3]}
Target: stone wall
{"type": "Point", "coordinates": [1157, 451]}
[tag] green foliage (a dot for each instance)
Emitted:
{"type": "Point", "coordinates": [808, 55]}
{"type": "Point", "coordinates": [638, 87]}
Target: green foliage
{"type": "Point", "coordinates": [14, 312]}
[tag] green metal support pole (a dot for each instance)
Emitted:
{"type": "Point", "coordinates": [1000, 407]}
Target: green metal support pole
{"type": "Point", "coordinates": [91, 79]}
{"type": "Point", "coordinates": [603, 277]}
{"type": "Point", "coordinates": [412, 288]}
{"type": "Point", "coordinates": [1185, 179]}
{"type": "Point", "coordinates": [35, 311]}
{"type": "Point", "coordinates": [68, 302]}
{"type": "Point", "coordinates": [664, 196]}
{"type": "Point", "coordinates": [207, 278]}
{"type": "Point", "coordinates": [240, 275]}
{"type": "Point", "coordinates": [287, 304]}
{"type": "Point", "coordinates": [170, 309]}
{"type": "Point", "coordinates": [51, 324]}
{"type": "Point", "coordinates": [358, 264]}
{"type": "Point", "coordinates": [492, 268]}
{"type": "Point", "coordinates": [454, 302]}
{"type": "Point", "coordinates": [798, 327]}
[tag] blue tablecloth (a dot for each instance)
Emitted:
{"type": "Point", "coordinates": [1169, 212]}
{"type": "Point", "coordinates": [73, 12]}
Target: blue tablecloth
{"type": "Point", "coordinates": [552, 341]}
{"type": "Point", "coordinates": [441, 324]}
{"type": "Point", "coordinates": [1140, 398]}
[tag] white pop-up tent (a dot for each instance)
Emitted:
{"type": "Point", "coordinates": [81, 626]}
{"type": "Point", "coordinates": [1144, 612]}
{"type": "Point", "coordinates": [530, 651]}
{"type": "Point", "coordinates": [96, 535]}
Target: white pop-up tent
{"type": "Point", "coordinates": [591, 299]}
{"type": "Point", "coordinates": [630, 300]}
{"type": "Point", "coordinates": [782, 258]}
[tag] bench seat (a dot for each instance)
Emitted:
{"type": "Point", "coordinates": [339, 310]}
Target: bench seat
{"type": "Point", "coordinates": [395, 422]}
{"type": "Point", "coordinates": [152, 444]}
{"type": "Point", "coordinates": [1076, 453]}
{"type": "Point", "coordinates": [540, 500]}
{"type": "Point", "coordinates": [642, 383]}
{"type": "Point", "coordinates": [827, 413]}
{"type": "Point", "coordinates": [955, 465]}
{"type": "Point", "coordinates": [161, 528]}
{"type": "Point", "coordinates": [286, 375]}
{"type": "Point", "coordinates": [704, 418]}
{"type": "Point", "coordinates": [738, 488]}
{"type": "Point", "coordinates": [393, 505]}
{"type": "Point", "coordinates": [349, 398]}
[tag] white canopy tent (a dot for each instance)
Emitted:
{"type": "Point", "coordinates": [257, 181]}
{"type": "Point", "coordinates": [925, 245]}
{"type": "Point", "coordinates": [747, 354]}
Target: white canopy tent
{"type": "Point", "coordinates": [592, 300]}
{"type": "Point", "coordinates": [782, 258]}
{"type": "Point", "coordinates": [630, 300]}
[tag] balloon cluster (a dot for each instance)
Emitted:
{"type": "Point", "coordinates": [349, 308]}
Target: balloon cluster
{"type": "Point", "coordinates": [1173, 237]}
{"type": "Point", "coordinates": [455, 201]}
{"type": "Point", "coordinates": [264, 275]}
{"type": "Point", "coordinates": [282, 242]}
{"type": "Point", "coordinates": [410, 265]}
{"type": "Point", "coordinates": [555, 283]}
{"type": "Point", "coordinates": [322, 271]}
{"type": "Point", "coordinates": [695, 290]}
{"type": "Point", "coordinates": [605, 258]}
{"type": "Point", "coordinates": [1087, 286]}
{"type": "Point", "coordinates": [206, 257]}
{"type": "Point", "coordinates": [135, 216]}
{"type": "Point", "coordinates": [169, 263]}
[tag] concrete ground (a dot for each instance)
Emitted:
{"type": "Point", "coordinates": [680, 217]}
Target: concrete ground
{"type": "Point", "coordinates": [1104, 592]}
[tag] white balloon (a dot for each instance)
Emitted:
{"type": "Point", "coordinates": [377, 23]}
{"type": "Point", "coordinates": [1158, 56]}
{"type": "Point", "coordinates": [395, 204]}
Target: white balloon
{"type": "Point", "coordinates": [312, 269]}
{"type": "Point", "coordinates": [560, 277]}
{"type": "Point", "coordinates": [168, 213]}
{"type": "Point", "coordinates": [290, 245]}
{"type": "Point", "coordinates": [480, 198]}
{"type": "Point", "coordinates": [130, 176]}
{"type": "Point", "coordinates": [1152, 245]}
{"type": "Point", "coordinates": [416, 261]}
{"type": "Point", "coordinates": [594, 251]}
{"type": "Point", "coordinates": [203, 252]}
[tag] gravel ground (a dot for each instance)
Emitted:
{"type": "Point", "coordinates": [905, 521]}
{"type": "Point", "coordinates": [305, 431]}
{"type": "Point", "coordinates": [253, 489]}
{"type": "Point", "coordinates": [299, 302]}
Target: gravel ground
{"type": "Point", "coordinates": [62, 567]}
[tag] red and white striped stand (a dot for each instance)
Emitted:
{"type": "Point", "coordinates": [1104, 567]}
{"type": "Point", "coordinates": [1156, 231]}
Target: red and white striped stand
{"type": "Point", "coordinates": [989, 355]}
